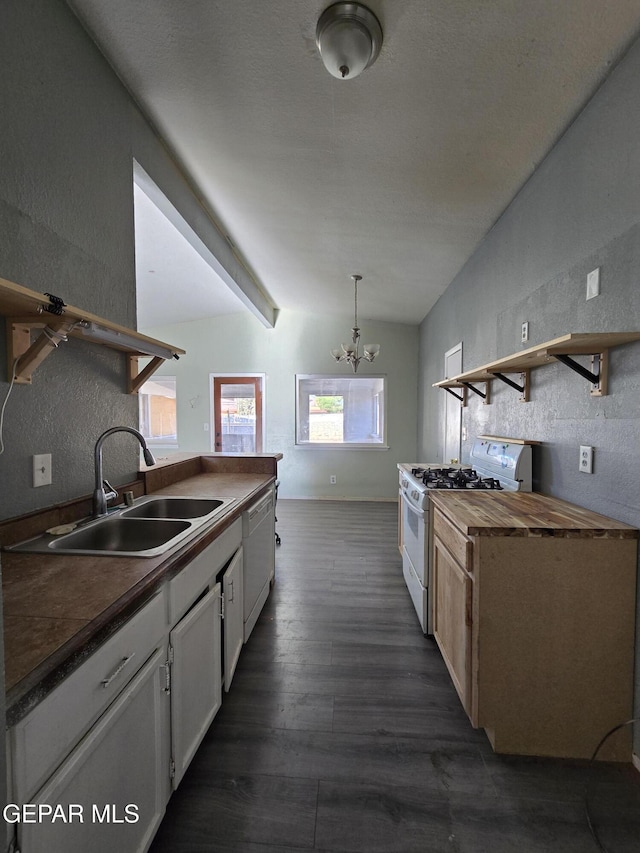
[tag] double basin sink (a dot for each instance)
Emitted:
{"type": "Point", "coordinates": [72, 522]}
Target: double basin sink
{"type": "Point", "coordinates": [150, 527]}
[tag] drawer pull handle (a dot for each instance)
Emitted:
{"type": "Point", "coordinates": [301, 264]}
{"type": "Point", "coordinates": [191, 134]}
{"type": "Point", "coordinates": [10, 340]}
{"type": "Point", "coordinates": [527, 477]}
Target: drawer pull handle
{"type": "Point", "coordinates": [116, 672]}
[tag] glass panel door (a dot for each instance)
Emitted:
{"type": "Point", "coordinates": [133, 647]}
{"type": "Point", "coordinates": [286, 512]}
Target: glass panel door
{"type": "Point", "coordinates": [237, 405]}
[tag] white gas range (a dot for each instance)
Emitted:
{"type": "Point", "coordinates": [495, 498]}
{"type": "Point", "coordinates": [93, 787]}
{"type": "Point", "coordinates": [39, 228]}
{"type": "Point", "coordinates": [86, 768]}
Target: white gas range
{"type": "Point", "coordinates": [494, 464]}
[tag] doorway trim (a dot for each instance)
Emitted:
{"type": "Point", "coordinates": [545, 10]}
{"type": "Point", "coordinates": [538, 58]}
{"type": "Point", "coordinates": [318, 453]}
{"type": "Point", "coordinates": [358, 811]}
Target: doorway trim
{"type": "Point", "coordinates": [212, 412]}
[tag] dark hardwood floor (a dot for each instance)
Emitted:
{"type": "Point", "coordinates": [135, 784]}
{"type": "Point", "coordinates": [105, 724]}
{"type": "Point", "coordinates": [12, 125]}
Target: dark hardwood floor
{"type": "Point", "coordinates": [343, 732]}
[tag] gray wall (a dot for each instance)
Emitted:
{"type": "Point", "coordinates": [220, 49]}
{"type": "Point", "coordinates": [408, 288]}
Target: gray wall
{"type": "Point", "coordinates": [70, 133]}
{"type": "Point", "coordinates": [66, 226]}
{"type": "Point", "coordinates": [580, 210]}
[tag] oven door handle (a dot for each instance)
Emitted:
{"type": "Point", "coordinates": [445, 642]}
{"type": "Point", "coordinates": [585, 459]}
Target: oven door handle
{"type": "Point", "coordinates": [414, 509]}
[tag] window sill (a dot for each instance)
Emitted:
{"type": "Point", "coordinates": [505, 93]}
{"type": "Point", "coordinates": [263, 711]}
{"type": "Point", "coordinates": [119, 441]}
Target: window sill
{"type": "Point", "coordinates": [334, 446]}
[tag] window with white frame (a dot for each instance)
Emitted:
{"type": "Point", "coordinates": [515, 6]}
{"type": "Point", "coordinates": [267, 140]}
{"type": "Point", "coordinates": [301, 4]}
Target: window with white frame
{"type": "Point", "coordinates": [340, 411]}
{"type": "Point", "coordinates": [157, 401]}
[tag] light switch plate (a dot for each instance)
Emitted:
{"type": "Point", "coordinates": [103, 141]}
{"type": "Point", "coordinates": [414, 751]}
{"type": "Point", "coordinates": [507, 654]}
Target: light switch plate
{"type": "Point", "coordinates": [42, 470]}
{"type": "Point", "coordinates": [593, 283]}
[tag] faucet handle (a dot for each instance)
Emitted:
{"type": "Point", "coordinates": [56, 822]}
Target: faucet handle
{"type": "Point", "coordinates": [109, 491]}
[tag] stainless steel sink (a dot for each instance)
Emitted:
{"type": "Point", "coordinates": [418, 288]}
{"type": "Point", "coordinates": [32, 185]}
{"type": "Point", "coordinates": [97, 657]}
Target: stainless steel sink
{"type": "Point", "coordinates": [173, 508]}
{"type": "Point", "coordinates": [118, 534]}
{"type": "Point", "coordinates": [150, 527]}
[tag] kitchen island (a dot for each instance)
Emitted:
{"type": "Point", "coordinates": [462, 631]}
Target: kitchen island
{"type": "Point", "coordinates": [534, 613]}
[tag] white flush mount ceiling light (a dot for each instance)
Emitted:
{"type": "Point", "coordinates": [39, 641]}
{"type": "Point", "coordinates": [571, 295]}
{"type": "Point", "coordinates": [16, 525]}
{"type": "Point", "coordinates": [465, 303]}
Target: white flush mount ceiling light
{"type": "Point", "coordinates": [349, 37]}
{"type": "Point", "coordinates": [350, 352]}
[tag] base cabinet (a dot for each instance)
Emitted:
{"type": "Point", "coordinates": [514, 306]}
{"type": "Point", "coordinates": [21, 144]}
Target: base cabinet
{"type": "Point", "coordinates": [537, 632]}
{"type": "Point", "coordinates": [196, 679]}
{"type": "Point", "coordinates": [106, 748]}
{"type": "Point", "coordinates": [452, 589]}
{"type": "Point", "coordinates": [196, 642]}
{"type": "Point", "coordinates": [232, 591]}
{"type": "Point", "coordinates": [111, 791]}
{"type": "Point", "coordinates": [258, 542]}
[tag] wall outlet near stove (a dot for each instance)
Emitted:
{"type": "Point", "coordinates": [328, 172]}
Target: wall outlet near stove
{"type": "Point", "coordinates": [586, 459]}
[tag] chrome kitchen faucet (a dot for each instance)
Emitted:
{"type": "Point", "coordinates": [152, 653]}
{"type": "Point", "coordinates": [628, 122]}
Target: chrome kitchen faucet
{"type": "Point", "coordinates": [104, 491]}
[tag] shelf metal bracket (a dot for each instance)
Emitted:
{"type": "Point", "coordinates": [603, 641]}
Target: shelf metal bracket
{"type": "Point", "coordinates": [522, 388]}
{"type": "Point", "coordinates": [461, 397]}
{"type": "Point", "coordinates": [597, 376]}
{"type": "Point", "coordinates": [486, 394]}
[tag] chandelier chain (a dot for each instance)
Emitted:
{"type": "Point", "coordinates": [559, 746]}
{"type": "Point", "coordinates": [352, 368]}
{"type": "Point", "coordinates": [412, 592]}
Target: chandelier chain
{"type": "Point", "coordinates": [351, 354]}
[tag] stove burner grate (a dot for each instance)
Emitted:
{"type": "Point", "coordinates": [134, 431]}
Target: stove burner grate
{"type": "Point", "coordinates": [455, 478]}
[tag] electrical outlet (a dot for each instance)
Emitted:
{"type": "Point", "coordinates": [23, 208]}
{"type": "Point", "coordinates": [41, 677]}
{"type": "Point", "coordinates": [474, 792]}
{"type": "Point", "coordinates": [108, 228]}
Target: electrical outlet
{"type": "Point", "coordinates": [205, 427]}
{"type": "Point", "coordinates": [593, 283]}
{"type": "Point", "coordinates": [333, 479]}
{"type": "Point", "coordinates": [525, 332]}
{"type": "Point", "coordinates": [42, 470]}
{"type": "Point", "coordinates": [586, 459]}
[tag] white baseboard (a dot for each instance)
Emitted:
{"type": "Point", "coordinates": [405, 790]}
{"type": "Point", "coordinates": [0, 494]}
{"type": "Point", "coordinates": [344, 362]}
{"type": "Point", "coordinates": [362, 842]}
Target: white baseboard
{"type": "Point", "coordinates": [636, 761]}
{"type": "Point", "coordinates": [336, 498]}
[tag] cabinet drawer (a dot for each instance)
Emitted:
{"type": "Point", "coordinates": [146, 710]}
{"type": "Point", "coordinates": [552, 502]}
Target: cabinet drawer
{"type": "Point", "coordinates": [459, 545]}
{"type": "Point", "coordinates": [122, 760]}
{"type": "Point", "coordinates": [195, 578]}
{"type": "Point", "coordinates": [41, 740]}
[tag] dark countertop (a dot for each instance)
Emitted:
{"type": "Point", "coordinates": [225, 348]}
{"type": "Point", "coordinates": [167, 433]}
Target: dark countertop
{"type": "Point", "coordinates": [59, 608]}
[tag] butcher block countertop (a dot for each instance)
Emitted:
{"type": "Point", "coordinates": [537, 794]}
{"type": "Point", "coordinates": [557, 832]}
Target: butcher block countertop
{"type": "Point", "coordinates": [502, 513]}
{"type": "Point", "coordinates": [59, 608]}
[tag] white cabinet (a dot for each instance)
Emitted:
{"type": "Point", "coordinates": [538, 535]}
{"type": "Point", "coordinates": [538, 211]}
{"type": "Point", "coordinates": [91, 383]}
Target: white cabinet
{"type": "Point", "coordinates": [258, 541]}
{"type": "Point", "coordinates": [195, 642]}
{"type": "Point", "coordinates": [233, 597]}
{"type": "Point", "coordinates": [196, 678]}
{"type": "Point", "coordinates": [111, 741]}
{"type": "Point", "coordinates": [112, 786]}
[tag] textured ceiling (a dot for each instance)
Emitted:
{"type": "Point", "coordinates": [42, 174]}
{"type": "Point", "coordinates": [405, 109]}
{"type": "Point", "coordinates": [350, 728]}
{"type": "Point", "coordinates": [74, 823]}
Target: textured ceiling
{"type": "Point", "coordinates": [397, 174]}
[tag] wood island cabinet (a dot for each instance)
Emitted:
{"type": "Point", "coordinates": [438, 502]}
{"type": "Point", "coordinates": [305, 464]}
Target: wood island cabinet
{"type": "Point", "coordinates": [452, 589]}
{"type": "Point", "coordinates": [534, 613]}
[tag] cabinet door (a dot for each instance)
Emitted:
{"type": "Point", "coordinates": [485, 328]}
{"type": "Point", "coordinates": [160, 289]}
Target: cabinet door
{"type": "Point", "coordinates": [196, 678]}
{"type": "Point", "coordinates": [233, 617]}
{"type": "Point", "coordinates": [259, 549]}
{"type": "Point", "coordinates": [116, 779]}
{"type": "Point", "coordinates": [452, 590]}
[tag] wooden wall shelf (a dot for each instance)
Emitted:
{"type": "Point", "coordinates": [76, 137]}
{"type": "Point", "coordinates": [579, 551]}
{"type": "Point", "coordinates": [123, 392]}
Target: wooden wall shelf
{"type": "Point", "coordinates": [506, 440]}
{"type": "Point", "coordinates": [28, 311]}
{"type": "Point", "coordinates": [562, 349]}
